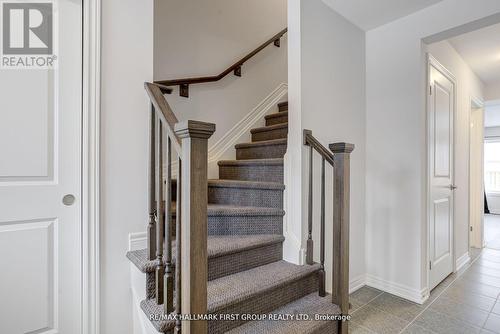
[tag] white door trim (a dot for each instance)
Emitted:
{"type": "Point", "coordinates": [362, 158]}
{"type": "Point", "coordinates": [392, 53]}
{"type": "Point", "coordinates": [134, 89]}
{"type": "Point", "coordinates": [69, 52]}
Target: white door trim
{"type": "Point", "coordinates": [90, 165]}
{"type": "Point", "coordinates": [475, 102]}
{"type": "Point", "coordinates": [431, 61]}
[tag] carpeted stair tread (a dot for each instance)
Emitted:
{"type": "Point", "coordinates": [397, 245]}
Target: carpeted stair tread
{"type": "Point", "coordinates": [276, 115]}
{"type": "Point", "coordinates": [269, 128]}
{"type": "Point", "coordinates": [217, 246]}
{"type": "Point", "coordinates": [311, 304]}
{"type": "Point", "coordinates": [237, 288]}
{"type": "Point", "coordinates": [215, 183]}
{"type": "Point", "coordinates": [283, 106]}
{"type": "Point", "coordinates": [252, 162]}
{"type": "Point", "coordinates": [272, 142]}
{"type": "Point", "coordinates": [276, 118]}
{"type": "Point", "coordinates": [236, 210]}
{"type": "Point", "coordinates": [231, 289]}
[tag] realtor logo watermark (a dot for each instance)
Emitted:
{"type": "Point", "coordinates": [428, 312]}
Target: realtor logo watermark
{"type": "Point", "coordinates": [27, 35]}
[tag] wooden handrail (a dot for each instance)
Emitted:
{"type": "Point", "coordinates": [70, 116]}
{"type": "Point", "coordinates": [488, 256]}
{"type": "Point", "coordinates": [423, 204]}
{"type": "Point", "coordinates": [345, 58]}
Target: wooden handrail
{"type": "Point", "coordinates": [235, 68]}
{"type": "Point", "coordinates": [159, 102]}
{"type": "Point", "coordinates": [309, 140]}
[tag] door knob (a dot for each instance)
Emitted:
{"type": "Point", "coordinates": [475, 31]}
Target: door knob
{"type": "Point", "coordinates": [453, 187]}
{"type": "Point", "coordinates": [68, 199]}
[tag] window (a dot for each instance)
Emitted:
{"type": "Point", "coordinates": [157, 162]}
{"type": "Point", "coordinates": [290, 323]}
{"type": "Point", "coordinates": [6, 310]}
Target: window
{"type": "Point", "coordinates": [492, 166]}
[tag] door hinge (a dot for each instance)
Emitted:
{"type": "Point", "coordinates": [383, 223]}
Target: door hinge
{"type": "Point", "coordinates": [430, 265]}
{"type": "Point", "coordinates": [471, 228]}
{"type": "Point", "coordinates": [430, 90]}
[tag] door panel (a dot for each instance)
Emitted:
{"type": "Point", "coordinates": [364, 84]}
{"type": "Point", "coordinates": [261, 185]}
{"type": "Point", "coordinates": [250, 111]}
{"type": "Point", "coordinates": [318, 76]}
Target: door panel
{"type": "Point", "coordinates": [441, 114]}
{"type": "Point", "coordinates": [40, 162]}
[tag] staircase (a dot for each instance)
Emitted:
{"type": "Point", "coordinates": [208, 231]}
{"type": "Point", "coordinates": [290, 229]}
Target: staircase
{"type": "Point", "coordinates": [214, 257]}
{"type": "Point", "coordinates": [246, 272]}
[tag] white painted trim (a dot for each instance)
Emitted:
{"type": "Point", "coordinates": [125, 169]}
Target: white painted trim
{"type": "Point", "coordinates": [137, 241]}
{"type": "Point", "coordinates": [475, 103]}
{"type": "Point", "coordinates": [400, 290]}
{"type": "Point", "coordinates": [462, 261]}
{"type": "Point", "coordinates": [241, 128]}
{"type": "Point", "coordinates": [357, 283]}
{"type": "Point", "coordinates": [90, 166]}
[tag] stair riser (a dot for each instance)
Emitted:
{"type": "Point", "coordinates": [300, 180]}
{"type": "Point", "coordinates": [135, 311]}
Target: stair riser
{"type": "Point", "coordinates": [271, 134]}
{"type": "Point", "coordinates": [283, 107]}
{"type": "Point", "coordinates": [245, 225]}
{"type": "Point", "coordinates": [261, 152]}
{"type": "Point", "coordinates": [269, 173]}
{"type": "Point", "coordinates": [276, 120]}
{"type": "Point", "coordinates": [270, 198]}
{"type": "Point", "coordinates": [266, 302]}
{"type": "Point", "coordinates": [231, 264]}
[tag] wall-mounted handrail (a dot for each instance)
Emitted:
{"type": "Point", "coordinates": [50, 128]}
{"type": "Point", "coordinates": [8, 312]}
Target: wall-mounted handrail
{"type": "Point", "coordinates": [339, 159]}
{"type": "Point", "coordinates": [235, 68]}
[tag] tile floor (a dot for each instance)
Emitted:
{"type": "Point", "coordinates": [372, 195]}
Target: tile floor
{"type": "Point", "coordinates": [465, 302]}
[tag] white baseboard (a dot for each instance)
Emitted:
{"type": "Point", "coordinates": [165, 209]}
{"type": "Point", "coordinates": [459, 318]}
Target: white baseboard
{"type": "Point", "coordinates": [357, 283]}
{"type": "Point", "coordinates": [462, 261]}
{"type": "Point", "coordinates": [400, 290]}
{"type": "Point", "coordinates": [137, 241]}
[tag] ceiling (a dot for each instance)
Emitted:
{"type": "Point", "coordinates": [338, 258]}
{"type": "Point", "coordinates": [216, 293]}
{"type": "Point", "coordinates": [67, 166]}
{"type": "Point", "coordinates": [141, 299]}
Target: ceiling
{"type": "Point", "coordinates": [369, 14]}
{"type": "Point", "coordinates": [481, 50]}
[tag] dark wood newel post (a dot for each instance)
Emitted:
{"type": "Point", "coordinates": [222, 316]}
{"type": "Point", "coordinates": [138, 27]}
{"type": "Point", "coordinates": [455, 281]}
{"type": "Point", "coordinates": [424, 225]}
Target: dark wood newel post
{"type": "Point", "coordinates": [341, 203]}
{"type": "Point", "coordinates": [194, 198]}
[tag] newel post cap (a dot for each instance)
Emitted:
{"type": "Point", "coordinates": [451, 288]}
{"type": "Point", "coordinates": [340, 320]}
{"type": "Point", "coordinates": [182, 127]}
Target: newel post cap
{"type": "Point", "coordinates": [341, 147]}
{"type": "Point", "coordinates": [194, 129]}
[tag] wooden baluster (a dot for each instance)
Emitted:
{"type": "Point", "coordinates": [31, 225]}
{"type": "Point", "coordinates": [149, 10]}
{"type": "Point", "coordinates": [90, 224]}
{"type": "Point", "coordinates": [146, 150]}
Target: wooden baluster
{"type": "Point", "coordinates": [322, 280]}
{"type": "Point", "coordinates": [151, 187]}
{"type": "Point", "coordinates": [194, 267]}
{"type": "Point", "coordinates": [160, 222]}
{"type": "Point", "coordinates": [178, 222]}
{"type": "Point", "coordinates": [168, 304]}
{"type": "Point", "coordinates": [310, 245]}
{"type": "Point", "coordinates": [341, 188]}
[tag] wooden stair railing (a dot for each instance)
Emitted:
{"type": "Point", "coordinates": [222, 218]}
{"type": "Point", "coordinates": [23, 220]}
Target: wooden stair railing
{"type": "Point", "coordinates": [187, 142]}
{"type": "Point", "coordinates": [235, 68]}
{"type": "Point", "coordinates": [340, 161]}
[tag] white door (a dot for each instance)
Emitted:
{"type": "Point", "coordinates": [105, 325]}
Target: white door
{"type": "Point", "coordinates": [441, 111]}
{"type": "Point", "coordinates": [40, 163]}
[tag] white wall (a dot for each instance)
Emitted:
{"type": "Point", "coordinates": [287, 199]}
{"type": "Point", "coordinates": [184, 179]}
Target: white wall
{"type": "Point", "coordinates": [202, 38]}
{"type": "Point", "coordinates": [127, 61]}
{"type": "Point", "coordinates": [492, 92]}
{"type": "Point", "coordinates": [468, 85]}
{"type": "Point", "coordinates": [396, 143]}
{"type": "Point", "coordinates": [332, 76]}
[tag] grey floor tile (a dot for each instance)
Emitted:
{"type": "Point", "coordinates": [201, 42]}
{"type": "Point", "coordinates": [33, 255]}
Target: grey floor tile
{"type": "Point", "coordinates": [397, 306]}
{"type": "Point", "coordinates": [487, 263]}
{"type": "Point", "coordinates": [493, 323]}
{"type": "Point", "coordinates": [355, 328]}
{"type": "Point", "coordinates": [443, 324]}
{"type": "Point", "coordinates": [378, 320]}
{"type": "Point", "coordinates": [416, 329]}
{"type": "Point", "coordinates": [466, 313]}
{"type": "Point", "coordinates": [475, 287]}
{"type": "Point", "coordinates": [485, 270]}
{"type": "Point", "coordinates": [363, 296]}
{"type": "Point", "coordinates": [485, 331]}
{"type": "Point", "coordinates": [496, 308]}
{"type": "Point", "coordinates": [469, 298]}
{"type": "Point", "coordinates": [482, 278]}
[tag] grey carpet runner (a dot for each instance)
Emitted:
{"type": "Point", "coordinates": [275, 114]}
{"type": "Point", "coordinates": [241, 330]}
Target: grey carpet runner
{"type": "Point", "coordinates": [246, 271]}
